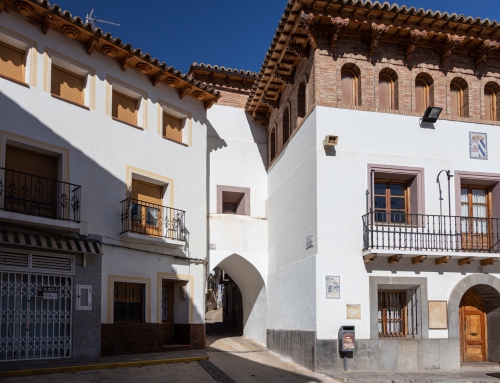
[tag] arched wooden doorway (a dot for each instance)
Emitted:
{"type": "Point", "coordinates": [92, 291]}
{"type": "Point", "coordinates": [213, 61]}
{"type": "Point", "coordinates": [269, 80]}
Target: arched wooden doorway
{"type": "Point", "coordinates": [473, 328]}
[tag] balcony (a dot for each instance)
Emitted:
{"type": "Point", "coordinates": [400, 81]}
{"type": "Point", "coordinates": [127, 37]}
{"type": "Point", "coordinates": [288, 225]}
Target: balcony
{"type": "Point", "coordinates": [150, 223]}
{"type": "Point", "coordinates": [430, 234]}
{"type": "Point", "coordinates": [27, 198]}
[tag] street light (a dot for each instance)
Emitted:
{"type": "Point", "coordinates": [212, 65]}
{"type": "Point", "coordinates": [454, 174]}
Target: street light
{"type": "Point", "coordinates": [449, 175]}
{"type": "Point", "coordinates": [431, 114]}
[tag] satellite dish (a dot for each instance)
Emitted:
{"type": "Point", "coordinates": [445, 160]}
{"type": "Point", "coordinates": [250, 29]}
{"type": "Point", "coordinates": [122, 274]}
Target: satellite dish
{"type": "Point", "coordinates": [93, 20]}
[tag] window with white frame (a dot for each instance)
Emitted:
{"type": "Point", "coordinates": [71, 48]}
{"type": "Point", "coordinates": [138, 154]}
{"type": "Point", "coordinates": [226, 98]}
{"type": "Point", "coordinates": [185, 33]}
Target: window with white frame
{"type": "Point", "coordinates": [174, 125]}
{"type": "Point", "coordinates": [127, 105]}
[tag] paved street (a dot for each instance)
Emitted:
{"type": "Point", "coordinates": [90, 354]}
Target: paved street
{"type": "Point", "coordinates": [233, 358]}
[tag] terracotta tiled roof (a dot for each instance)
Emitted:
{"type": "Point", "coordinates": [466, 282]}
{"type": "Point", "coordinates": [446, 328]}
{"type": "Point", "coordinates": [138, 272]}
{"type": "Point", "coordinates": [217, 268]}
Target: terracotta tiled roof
{"type": "Point", "coordinates": [55, 18]}
{"type": "Point", "coordinates": [208, 67]}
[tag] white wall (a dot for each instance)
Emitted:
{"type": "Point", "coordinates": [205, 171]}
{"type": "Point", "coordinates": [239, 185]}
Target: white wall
{"type": "Point", "coordinates": [378, 138]}
{"type": "Point", "coordinates": [101, 149]}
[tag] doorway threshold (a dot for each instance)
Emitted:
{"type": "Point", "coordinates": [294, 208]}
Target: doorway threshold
{"type": "Point", "coordinates": [176, 347]}
{"type": "Point", "coordinates": [480, 366]}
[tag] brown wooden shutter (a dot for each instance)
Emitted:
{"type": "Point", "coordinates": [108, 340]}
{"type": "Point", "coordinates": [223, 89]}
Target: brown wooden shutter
{"type": "Point", "coordinates": [347, 87]}
{"type": "Point", "coordinates": [385, 94]}
{"type": "Point", "coordinates": [172, 127]}
{"type": "Point", "coordinates": [26, 161]}
{"type": "Point", "coordinates": [420, 97]}
{"type": "Point", "coordinates": [488, 105]}
{"type": "Point", "coordinates": [12, 62]}
{"type": "Point", "coordinates": [455, 101]}
{"type": "Point", "coordinates": [124, 108]}
{"type": "Point", "coordinates": [67, 85]}
{"type": "Point", "coordinates": [147, 192]}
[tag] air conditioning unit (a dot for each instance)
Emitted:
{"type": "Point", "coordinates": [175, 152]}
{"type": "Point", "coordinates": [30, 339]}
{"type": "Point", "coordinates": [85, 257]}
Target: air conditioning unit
{"type": "Point", "coordinates": [330, 142]}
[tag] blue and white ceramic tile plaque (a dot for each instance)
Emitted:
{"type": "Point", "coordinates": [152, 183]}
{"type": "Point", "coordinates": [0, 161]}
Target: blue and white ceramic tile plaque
{"type": "Point", "coordinates": [478, 146]}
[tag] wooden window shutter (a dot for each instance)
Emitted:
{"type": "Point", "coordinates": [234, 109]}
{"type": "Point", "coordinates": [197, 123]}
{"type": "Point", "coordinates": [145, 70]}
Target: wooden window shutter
{"type": "Point", "coordinates": [67, 85]}
{"type": "Point", "coordinates": [488, 105]}
{"type": "Point", "coordinates": [172, 127]}
{"type": "Point", "coordinates": [455, 101]}
{"type": "Point", "coordinates": [12, 62]}
{"type": "Point", "coordinates": [301, 100]}
{"type": "Point", "coordinates": [147, 192]}
{"type": "Point", "coordinates": [124, 108]}
{"type": "Point", "coordinates": [385, 94]}
{"type": "Point", "coordinates": [26, 161]}
{"type": "Point", "coordinates": [272, 144]}
{"type": "Point", "coordinates": [347, 88]}
{"type": "Point", "coordinates": [420, 96]}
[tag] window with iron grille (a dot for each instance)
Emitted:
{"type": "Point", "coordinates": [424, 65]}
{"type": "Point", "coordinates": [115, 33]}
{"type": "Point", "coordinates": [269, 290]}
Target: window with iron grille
{"type": "Point", "coordinates": [397, 313]}
{"type": "Point", "coordinates": [129, 302]}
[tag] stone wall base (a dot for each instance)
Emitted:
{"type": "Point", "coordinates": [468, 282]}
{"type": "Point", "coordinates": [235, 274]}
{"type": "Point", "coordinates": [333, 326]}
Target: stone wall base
{"type": "Point", "coordinates": [398, 355]}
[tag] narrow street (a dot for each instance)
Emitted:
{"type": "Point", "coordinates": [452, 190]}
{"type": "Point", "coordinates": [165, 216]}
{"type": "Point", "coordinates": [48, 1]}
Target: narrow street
{"type": "Point", "coordinates": [232, 358]}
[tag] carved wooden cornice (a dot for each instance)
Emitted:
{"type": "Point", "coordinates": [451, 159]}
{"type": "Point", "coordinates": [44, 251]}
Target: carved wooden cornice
{"type": "Point", "coordinates": [46, 23]}
{"type": "Point", "coordinates": [488, 46]}
{"type": "Point", "coordinates": [158, 78]}
{"type": "Point", "coordinates": [378, 31]}
{"type": "Point", "coordinates": [287, 79]}
{"type": "Point", "coordinates": [415, 36]}
{"type": "Point", "coordinates": [338, 24]}
{"type": "Point", "coordinates": [305, 22]}
{"type": "Point", "coordinates": [451, 42]}
{"type": "Point", "coordinates": [299, 50]}
{"type": "Point", "coordinates": [184, 91]}
{"type": "Point", "coordinates": [126, 62]}
{"type": "Point", "coordinates": [91, 44]}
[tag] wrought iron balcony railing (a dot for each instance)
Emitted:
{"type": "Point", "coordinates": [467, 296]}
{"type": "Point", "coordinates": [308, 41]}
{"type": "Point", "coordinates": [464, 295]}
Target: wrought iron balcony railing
{"type": "Point", "coordinates": [422, 232]}
{"type": "Point", "coordinates": [155, 220]}
{"type": "Point", "coordinates": [33, 195]}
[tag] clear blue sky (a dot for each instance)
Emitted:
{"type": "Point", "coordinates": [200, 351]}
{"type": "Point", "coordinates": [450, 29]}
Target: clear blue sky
{"type": "Point", "coordinates": [230, 33]}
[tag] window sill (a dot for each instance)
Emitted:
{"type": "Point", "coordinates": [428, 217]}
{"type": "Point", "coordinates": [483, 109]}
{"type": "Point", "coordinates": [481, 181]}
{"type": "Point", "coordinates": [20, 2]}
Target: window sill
{"type": "Point", "coordinates": [69, 102]}
{"type": "Point", "coordinates": [177, 142]}
{"type": "Point", "coordinates": [14, 80]}
{"type": "Point", "coordinates": [127, 123]}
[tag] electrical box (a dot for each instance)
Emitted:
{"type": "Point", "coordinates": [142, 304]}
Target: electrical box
{"type": "Point", "coordinates": [347, 339]}
{"type": "Point", "coordinates": [330, 142]}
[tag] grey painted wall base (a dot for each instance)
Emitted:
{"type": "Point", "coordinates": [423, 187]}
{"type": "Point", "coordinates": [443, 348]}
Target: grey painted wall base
{"type": "Point", "coordinates": [401, 355]}
{"type": "Point", "coordinates": [297, 345]}
{"type": "Point", "coordinates": [87, 324]}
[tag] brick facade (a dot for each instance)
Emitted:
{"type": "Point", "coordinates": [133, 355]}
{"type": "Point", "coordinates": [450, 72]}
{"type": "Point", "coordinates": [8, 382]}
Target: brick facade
{"type": "Point", "coordinates": [323, 71]}
{"type": "Point", "coordinates": [233, 93]}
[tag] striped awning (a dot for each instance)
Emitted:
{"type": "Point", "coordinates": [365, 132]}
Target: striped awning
{"type": "Point", "coordinates": [45, 242]}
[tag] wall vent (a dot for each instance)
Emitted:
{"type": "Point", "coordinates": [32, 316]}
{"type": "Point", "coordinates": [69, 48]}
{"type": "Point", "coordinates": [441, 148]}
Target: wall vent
{"type": "Point", "coordinates": [52, 263]}
{"type": "Point", "coordinates": [16, 260]}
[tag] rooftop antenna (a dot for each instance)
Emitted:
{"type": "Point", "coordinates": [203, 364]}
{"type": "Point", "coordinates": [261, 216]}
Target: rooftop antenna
{"type": "Point", "coordinates": [93, 20]}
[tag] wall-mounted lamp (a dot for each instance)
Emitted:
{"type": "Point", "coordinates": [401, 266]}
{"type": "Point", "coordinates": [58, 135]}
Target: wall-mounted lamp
{"type": "Point", "coordinates": [431, 114]}
{"type": "Point", "coordinates": [330, 142]}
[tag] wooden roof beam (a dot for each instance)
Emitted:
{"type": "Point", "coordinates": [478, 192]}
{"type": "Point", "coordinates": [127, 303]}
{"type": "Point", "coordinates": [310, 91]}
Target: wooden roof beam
{"type": "Point", "coordinates": [488, 262]}
{"type": "Point", "coordinates": [415, 37]}
{"type": "Point", "coordinates": [378, 31]}
{"type": "Point", "coordinates": [488, 46]}
{"type": "Point", "coordinates": [338, 24]}
{"type": "Point", "coordinates": [92, 44]}
{"type": "Point", "coordinates": [451, 42]}
{"type": "Point", "coordinates": [305, 21]}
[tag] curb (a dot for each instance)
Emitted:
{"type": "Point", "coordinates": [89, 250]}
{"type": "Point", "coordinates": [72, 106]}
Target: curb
{"type": "Point", "coordinates": [103, 366]}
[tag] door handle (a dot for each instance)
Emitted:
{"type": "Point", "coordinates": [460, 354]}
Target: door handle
{"type": "Point", "coordinates": [474, 333]}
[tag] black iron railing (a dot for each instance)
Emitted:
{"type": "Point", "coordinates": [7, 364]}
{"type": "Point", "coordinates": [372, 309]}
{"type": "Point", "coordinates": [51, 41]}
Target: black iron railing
{"type": "Point", "coordinates": [39, 196]}
{"type": "Point", "coordinates": [424, 232]}
{"type": "Point", "coordinates": [155, 220]}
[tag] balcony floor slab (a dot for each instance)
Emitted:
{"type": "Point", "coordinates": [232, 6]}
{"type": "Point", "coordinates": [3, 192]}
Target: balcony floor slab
{"type": "Point", "coordinates": [159, 241]}
{"type": "Point", "coordinates": [42, 222]}
{"type": "Point", "coordinates": [429, 254]}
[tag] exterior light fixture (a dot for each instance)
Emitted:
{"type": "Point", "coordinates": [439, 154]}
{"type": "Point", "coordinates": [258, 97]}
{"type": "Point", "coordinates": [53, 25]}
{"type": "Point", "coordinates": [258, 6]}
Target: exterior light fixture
{"type": "Point", "coordinates": [431, 114]}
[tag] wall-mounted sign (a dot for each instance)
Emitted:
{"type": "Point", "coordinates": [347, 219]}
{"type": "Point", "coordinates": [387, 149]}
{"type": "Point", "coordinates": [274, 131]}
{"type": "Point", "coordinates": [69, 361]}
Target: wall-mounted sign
{"type": "Point", "coordinates": [48, 293]}
{"type": "Point", "coordinates": [212, 246]}
{"type": "Point", "coordinates": [353, 311]}
{"type": "Point", "coordinates": [478, 146]}
{"type": "Point", "coordinates": [438, 315]}
{"type": "Point", "coordinates": [332, 287]}
{"type": "Point", "coordinates": [309, 241]}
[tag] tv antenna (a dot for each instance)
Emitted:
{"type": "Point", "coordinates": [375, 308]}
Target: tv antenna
{"type": "Point", "coordinates": [93, 20]}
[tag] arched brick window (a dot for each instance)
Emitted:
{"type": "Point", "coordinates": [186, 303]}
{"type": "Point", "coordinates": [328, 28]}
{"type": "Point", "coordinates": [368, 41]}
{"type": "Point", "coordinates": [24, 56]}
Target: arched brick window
{"type": "Point", "coordinates": [459, 97]}
{"type": "Point", "coordinates": [272, 144]}
{"type": "Point", "coordinates": [424, 92]}
{"type": "Point", "coordinates": [491, 102]}
{"type": "Point", "coordinates": [301, 100]}
{"type": "Point", "coordinates": [350, 85]}
{"type": "Point", "coordinates": [388, 89]}
{"type": "Point", "coordinates": [286, 125]}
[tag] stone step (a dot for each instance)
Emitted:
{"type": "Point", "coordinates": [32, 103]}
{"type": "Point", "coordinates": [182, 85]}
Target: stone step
{"type": "Point", "coordinates": [481, 367]}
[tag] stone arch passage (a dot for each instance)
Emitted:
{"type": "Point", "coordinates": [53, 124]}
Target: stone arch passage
{"type": "Point", "coordinates": [253, 291]}
{"type": "Point", "coordinates": [488, 287]}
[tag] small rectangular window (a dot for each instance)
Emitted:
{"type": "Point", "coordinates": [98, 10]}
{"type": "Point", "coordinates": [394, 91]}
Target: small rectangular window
{"type": "Point", "coordinates": [129, 302]}
{"type": "Point", "coordinates": [124, 108]}
{"type": "Point", "coordinates": [398, 313]}
{"type": "Point", "coordinates": [67, 85]}
{"type": "Point", "coordinates": [172, 127]}
{"type": "Point", "coordinates": [12, 62]}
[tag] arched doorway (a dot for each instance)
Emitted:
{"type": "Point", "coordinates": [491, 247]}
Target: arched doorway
{"type": "Point", "coordinates": [473, 330]}
{"type": "Point", "coordinates": [474, 318]}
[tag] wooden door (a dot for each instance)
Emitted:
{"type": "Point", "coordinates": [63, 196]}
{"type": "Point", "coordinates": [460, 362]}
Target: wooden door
{"type": "Point", "coordinates": [475, 223]}
{"type": "Point", "coordinates": [167, 311]}
{"type": "Point", "coordinates": [147, 209]}
{"type": "Point", "coordinates": [472, 328]}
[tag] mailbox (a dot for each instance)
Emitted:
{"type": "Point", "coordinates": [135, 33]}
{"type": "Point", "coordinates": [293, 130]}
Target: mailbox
{"type": "Point", "coordinates": [347, 338]}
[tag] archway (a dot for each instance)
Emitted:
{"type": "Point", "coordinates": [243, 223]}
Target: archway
{"type": "Point", "coordinates": [253, 294]}
{"type": "Point", "coordinates": [474, 318]}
